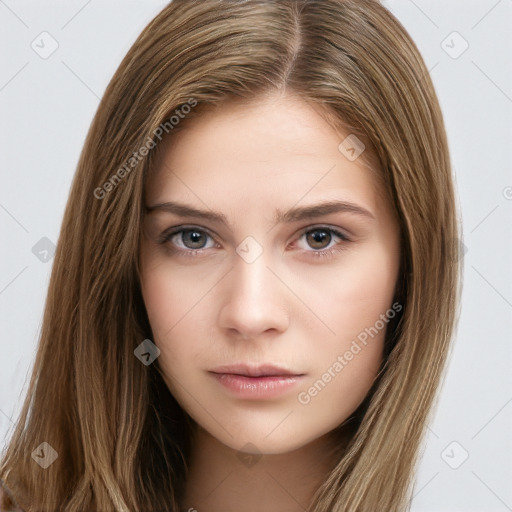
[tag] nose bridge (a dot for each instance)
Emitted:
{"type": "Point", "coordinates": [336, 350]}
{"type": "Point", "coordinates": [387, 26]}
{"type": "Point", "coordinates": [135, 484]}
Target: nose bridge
{"type": "Point", "coordinates": [253, 301]}
{"type": "Point", "coordinates": [251, 279]}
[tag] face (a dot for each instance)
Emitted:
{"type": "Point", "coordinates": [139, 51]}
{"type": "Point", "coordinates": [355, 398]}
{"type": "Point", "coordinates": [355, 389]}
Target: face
{"type": "Point", "coordinates": [268, 268]}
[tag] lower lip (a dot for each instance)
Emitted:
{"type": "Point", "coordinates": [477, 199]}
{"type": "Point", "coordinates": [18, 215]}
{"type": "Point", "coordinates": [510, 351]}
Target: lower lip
{"type": "Point", "coordinates": [257, 387]}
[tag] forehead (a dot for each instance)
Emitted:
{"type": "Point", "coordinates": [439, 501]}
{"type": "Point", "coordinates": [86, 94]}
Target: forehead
{"type": "Point", "coordinates": [276, 149]}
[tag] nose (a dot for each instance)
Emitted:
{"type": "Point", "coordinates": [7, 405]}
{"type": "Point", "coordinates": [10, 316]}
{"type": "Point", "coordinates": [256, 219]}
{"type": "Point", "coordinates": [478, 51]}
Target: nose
{"type": "Point", "coordinates": [253, 300]}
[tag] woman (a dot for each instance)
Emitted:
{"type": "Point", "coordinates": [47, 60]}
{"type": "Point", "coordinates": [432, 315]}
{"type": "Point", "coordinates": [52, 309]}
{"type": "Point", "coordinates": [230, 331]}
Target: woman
{"type": "Point", "coordinates": [256, 281]}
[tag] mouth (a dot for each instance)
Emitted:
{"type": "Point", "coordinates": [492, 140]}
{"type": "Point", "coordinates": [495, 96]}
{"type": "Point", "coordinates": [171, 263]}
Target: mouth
{"type": "Point", "coordinates": [265, 370]}
{"type": "Point", "coordinates": [256, 382]}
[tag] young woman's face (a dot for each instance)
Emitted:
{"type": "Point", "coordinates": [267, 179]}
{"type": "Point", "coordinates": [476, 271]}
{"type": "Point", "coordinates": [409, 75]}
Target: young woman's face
{"type": "Point", "coordinates": [255, 277]}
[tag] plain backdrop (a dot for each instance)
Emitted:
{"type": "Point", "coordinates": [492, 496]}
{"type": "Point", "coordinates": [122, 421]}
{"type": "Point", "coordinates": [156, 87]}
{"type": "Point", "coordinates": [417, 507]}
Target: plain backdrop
{"type": "Point", "coordinates": [56, 60]}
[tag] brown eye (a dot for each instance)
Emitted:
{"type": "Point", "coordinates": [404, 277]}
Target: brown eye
{"type": "Point", "coordinates": [318, 238]}
{"type": "Point", "coordinates": [322, 241]}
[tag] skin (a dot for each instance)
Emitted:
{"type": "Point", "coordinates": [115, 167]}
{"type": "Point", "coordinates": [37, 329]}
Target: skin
{"type": "Point", "coordinates": [288, 307]}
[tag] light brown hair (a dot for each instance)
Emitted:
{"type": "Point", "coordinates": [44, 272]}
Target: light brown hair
{"type": "Point", "coordinates": [121, 438]}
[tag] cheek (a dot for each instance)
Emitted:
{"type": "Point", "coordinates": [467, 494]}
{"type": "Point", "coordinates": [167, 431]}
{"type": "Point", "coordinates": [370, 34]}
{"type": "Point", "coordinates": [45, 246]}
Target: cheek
{"type": "Point", "coordinates": [176, 302]}
{"type": "Point", "coordinates": [345, 365]}
{"type": "Point", "coordinates": [169, 294]}
{"type": "Point", "coordinates": [351, 296]}
{"type": "Point", "coordinates": [338, 389]}
{"type": "Point", "coordinates": [357, 308]}
{"type": "Point", "coordinates": [166, 303]}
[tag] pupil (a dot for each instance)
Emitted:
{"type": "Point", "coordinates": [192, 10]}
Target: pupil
{"type": "Point", "coordinates": [318, 238]}
{"type": "Point", "coordinates": [195, 237]}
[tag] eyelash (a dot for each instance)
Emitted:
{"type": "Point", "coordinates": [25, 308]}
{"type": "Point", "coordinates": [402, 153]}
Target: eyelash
{"type": "Point", "coordinates": [167, 235]}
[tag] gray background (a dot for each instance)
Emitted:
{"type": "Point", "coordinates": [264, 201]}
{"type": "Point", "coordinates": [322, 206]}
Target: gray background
{"type": "Point", "coordinates": [47, 103]}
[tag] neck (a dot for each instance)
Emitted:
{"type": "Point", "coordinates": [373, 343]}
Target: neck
{"type": "Point", "coordinates": [221, 479]}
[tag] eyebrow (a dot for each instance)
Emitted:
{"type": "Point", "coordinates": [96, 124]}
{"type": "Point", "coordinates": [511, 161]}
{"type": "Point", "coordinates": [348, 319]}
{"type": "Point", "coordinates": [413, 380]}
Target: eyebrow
{"type": "Point", "coordinates": [292, 215]}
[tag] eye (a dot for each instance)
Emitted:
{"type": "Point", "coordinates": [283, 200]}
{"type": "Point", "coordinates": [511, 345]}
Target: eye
{"type": "Point", "coordinates": [193, 241]}
{"type": "Point", "coordinates": [189, 241]}
{"type": "Point", "coordinates": [324, 240]}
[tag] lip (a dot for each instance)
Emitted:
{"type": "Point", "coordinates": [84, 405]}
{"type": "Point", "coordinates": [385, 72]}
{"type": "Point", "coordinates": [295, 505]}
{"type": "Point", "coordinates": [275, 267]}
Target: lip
{"type": "Point", "coordinates": [264, 370]}
{"type": "Point", "coordinates": [256, 382]}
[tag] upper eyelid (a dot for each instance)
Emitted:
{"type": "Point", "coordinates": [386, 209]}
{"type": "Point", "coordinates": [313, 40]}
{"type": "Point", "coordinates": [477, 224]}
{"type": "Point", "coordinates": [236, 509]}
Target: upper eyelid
{"type": "Point", "coordinates": [178, 229]}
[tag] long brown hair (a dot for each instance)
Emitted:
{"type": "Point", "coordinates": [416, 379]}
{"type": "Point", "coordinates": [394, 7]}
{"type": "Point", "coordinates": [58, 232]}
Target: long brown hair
{"type": "Point", "coordinates": [121, 438]}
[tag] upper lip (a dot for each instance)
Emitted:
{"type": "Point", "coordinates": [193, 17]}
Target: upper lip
{"type": "Point", "coordinates": [264, 370]}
